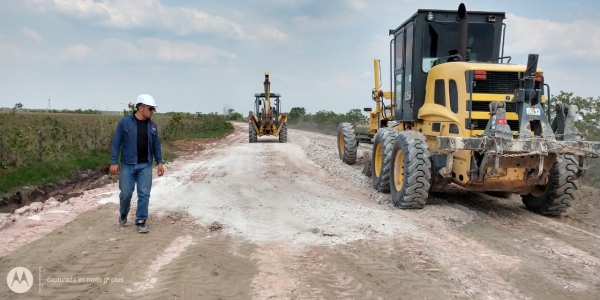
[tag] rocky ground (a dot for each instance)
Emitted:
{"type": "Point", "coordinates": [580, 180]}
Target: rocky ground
{"type": "Point", "coordinates": [233, 220]}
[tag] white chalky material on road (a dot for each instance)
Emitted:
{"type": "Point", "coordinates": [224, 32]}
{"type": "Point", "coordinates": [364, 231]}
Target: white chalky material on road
{"type": "Point", "coordinates": [174, 250]}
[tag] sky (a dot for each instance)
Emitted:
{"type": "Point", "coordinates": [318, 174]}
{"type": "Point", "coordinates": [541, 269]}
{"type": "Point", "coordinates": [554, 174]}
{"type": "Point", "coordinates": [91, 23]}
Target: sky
{"type": "Point", "coordinates": [204, 56]}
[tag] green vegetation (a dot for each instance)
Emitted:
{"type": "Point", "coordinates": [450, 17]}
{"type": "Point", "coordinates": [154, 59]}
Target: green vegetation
{"type": "Point", "coordinates": [43, 147]}
{"type": "Point", "coordinates": [324, 121]}
{"type": "Point", "coordinates": [50, 171]}
{"type": "Point", "coordinates": [210, 134]}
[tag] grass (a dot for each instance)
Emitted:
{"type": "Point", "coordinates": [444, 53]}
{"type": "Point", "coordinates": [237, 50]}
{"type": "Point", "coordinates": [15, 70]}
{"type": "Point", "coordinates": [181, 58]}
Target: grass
{"type": "Point", "coordinates": [48, 172]}
{"type": "Point", "coordinates": [209, 134]}
{"type": "Point", "coordinates": [55, 171]}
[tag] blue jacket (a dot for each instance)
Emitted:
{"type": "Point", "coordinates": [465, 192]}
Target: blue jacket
{"type": "Point", "coordinates": [126, 136]}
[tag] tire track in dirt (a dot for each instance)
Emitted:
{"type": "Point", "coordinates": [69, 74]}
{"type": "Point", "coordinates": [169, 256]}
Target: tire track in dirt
{"type": "Point", "coordinates": [507, 228]}
{"type": "Point", "coordinates": [585, 212]}
{"type": "Point", "coordinates": [175, 248]}
{"type": "Point", "coordinates": [74, 256]}
{"type": "Point", "coordinates": [97, 248]}
{"type": "Point", "coordinates": [205, 270]}
{"type": "Point", "coordinates": [377, 270]}
{"type": "Point", "coordinates": [279, 273]}
{"type": "Point", "coordinates": [561, 270]}
{"type": "Point", "coordinates": [563, 257]}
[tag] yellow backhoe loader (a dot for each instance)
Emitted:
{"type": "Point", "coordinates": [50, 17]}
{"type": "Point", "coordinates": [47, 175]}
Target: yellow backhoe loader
{"type": "Point", "coordinates": [267, 120]}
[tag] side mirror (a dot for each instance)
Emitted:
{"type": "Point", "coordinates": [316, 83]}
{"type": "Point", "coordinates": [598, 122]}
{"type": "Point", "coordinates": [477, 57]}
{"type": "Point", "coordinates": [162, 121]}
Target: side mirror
{"type": "Point", "coordinates": [367, 109]}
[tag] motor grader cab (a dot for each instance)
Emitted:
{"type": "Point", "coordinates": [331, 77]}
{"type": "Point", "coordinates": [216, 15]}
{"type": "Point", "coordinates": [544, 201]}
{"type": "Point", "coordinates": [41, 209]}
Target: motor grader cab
{"type": "Point", "coordinates": [267, 118]}
{"type": "Point", "coordinates": [459, 112]}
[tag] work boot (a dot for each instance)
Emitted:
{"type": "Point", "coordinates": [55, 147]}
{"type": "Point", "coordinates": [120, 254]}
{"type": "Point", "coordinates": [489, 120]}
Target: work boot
{"type": "Point", "coordinates": [122, 220]}
{"type": "Point", "coordinates": [141, 225]}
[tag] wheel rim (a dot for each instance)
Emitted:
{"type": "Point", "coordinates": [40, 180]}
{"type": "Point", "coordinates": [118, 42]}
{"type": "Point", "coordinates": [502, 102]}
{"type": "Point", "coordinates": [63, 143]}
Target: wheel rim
{"type": "Point", "coordinates": [341, 143]}
{"type": "Point", "coordinates": [378, 158]}
{"type": "Point", "coordinates": [538, 190]}
{"type": "Point", "coordinates": [399, 170]}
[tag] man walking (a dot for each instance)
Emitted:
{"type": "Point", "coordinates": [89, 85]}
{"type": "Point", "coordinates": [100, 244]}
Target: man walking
{"type": "Point", "coordinates": [137, 134]}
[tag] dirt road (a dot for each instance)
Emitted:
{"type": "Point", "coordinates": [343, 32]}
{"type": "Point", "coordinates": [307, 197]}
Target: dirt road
{"type": "Point", "coordinates": [233, 220]}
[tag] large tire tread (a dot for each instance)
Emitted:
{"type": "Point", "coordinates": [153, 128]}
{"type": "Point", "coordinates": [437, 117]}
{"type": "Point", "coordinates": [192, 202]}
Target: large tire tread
{"type": "Point", "coordinates": [252, 134]}
{"type": "Point", "coordinates": [348, 155]}
{"type": "Point", "coordinates": [283, 134]}
{"type": "Point", "coordinates": [561, 190]}
{"type": "Point", "coordinates": [386, 136]}
{"type": "Point", "coordinates": [417, 170]}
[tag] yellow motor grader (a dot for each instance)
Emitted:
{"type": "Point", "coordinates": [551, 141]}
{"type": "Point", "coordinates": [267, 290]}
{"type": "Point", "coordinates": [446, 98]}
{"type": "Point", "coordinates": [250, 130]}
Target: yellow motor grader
{"type": "Point", "coordinates": [461, 113]}
{"type": "Point", "coordinates": [266, 119]}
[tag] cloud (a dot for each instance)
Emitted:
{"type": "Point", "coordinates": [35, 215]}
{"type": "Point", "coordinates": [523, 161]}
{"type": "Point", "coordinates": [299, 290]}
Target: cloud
{"type": "Point", "coordinates": [151, 14]}
{"type": "Point", "coordinates": [78, 51]}
{"type": "Point", "coordinates": [154, 49]}
{"type": "Point", "coordinates": [553, 40]}
{"type": "Point", "coordinates": [342, 81]}
{"type": "Point", "coordinates": [8, 51]}
{"type": "Point", "coordinates": [32, 34]}
{"type": "Point", "coordinates": [145, 50]}
{"type": "Point", "coordinates": [356, 4]}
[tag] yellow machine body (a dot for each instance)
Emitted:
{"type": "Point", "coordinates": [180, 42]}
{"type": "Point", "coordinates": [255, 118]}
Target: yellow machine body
{"type": "Point", "coordinates": [267, 119]}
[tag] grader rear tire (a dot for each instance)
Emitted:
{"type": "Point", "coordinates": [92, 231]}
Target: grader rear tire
{"type": "Point", "coordinates": [347, 144]}
{"type": "Point", "coordinates": [556, 197]}
{"type": "Point", "coordinates": [283, 134]}
{"type": "Point", "coordinates": [411, 170]}
{"type": "Point", "coordinates": [252, 135]}
{"type": "Point", "coordinates": [381, 158]}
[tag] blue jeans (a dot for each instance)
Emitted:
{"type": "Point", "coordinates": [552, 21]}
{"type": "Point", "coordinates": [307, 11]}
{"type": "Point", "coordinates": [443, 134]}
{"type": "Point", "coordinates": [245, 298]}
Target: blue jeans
{"type": "Point", "coordinates": [130, 175]}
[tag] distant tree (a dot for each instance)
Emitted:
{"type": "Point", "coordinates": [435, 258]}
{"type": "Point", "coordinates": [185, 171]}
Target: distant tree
{"type": "Point", "coordinates": [18, 106]}
{"type": "Point", "coordinates": [232, 115]}
{"type": "Point", "coordinates": [130, 109]}
{"type": "Point", "coordinates": [355, 116]}
{"type": "Point", "coordinates": [227, 110]}
{"type": "Point", "coordinates": [588, 110]}
{"type": "Point", "coordinates": [297, 113]}
{"type": "Point", "coordinates": [324, 117]}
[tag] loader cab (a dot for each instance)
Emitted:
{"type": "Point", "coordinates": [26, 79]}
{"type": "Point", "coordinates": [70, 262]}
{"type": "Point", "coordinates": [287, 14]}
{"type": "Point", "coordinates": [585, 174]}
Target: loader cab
{"type": "Point", "coordinates": [430, 38]}
{"type": "Point", "coordinates": [259, 102]}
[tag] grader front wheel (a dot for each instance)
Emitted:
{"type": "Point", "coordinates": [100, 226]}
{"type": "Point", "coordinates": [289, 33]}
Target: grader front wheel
{"type": "Point", "coordinates": [347, 145]}
{"type": "Point", "coordinates": [411, 170]}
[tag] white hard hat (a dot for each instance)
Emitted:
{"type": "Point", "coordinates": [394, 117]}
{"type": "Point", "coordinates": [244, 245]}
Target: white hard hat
{"type": "Point", "coordinates": [146, 99]}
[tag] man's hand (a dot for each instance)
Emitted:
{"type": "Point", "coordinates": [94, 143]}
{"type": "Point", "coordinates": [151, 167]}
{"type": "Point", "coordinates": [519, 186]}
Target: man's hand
{"type": "Point", "coordinates": [161, 170]}
{"type": "Point", "coordinates": [114, 169]}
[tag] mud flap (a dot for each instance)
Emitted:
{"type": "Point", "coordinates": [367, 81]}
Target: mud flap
{"type": "Point", "coordinates": [441, 171]}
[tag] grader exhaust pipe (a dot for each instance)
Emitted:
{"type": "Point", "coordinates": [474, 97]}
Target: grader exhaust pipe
{"type": "Point", "coordinates": [462, 32]}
